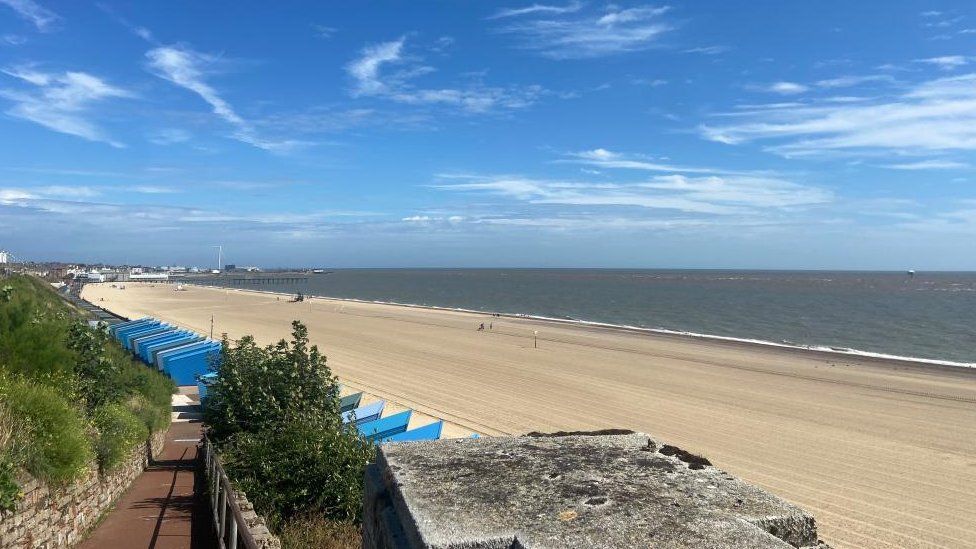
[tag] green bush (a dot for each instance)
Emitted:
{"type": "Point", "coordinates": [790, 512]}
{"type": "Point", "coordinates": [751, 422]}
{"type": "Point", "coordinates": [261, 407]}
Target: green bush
{"type": "Point", "coordinates": [274, 412]}
{"type": "Point", "coordinates": [58, 378]}
{"type": "Point", "coordinates": [119, 430]}
{"type": "Point", "coordinates": [52, 432]}
{"type": "Point", "coordinates": [301, 468]}
{"type": "Point", "coordinates": [155, 418]}
{"type": "Point", "coordinates": [258, 388]}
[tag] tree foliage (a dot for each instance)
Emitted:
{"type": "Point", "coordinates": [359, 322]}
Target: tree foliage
{"type": "Point", "coordinates": [258, 388]}
{"type": "Point", "coordinates": [274, 412]}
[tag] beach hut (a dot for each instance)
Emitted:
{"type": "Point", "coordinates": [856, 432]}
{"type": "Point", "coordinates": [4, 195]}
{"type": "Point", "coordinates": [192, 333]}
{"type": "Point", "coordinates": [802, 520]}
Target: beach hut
{"type": "Point", "coordinates": [143, 346]}
{"type": "Point", "coordinates": [365, 413]}
{"type": "Point", "coordinates": [135, 339]}
{"type": "Point", "coordinates": [427, 432]}
{"type": "Point", "coordinates": [162, 355]}
{"type": "Point", "coordinates": [151, 352]}
{"type": "Point", "coordinates": [118, 326]}
{"type": "Point", "coordinates": [186, 367]}
{"type": "Point", "coordinates": [350, 402]}
{"type": "Point", "coordinates": [141, 324]}
{"type": "Point", "coordinates": [379, 429]}
{"type": "Point", "coordinates": [136, 334]}
{"type": "Point", "coordinates": [138, 342]}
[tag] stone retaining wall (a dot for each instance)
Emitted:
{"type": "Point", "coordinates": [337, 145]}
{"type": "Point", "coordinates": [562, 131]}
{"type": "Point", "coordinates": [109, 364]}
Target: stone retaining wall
{"type": "Point", "coordinates": [49, 518]}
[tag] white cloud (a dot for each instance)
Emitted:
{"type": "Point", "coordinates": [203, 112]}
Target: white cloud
{"type": "Point", "coordinates": [170, 136]}
{"type": "Point", "coordinates": [567, 35]}
{"type": "Point", "coordinates": [369, 79]}
{"type": "Point", "coordinates": [42, 18]}
{"type": "Point", "coordinates": [785, 88]}
{"type": "Point", "coordinates": [537, 8]}
{"type": "Point", "coordinates": [608, 159]}
{"type": "Point", "coordinates": [62, 101]}
{"type": "Point", "coordinates": [929, 165]}
{"type": "Point", "coordinates": [188, 69]}
{"type": "Point", "coordinates": [712, 195]}
{"type": "Point", "coordinates": [848, 81]}
{"type": "Point", "coordinates": [936, 115]}
{"type": "Point", "coordinates": [708, 50]}
{"type": "Point", "coordinates": [366, 69]}
{"type": "Point", "coordinates": [946, 62]}
{"type": "Point", "coordinates": [324, 31]}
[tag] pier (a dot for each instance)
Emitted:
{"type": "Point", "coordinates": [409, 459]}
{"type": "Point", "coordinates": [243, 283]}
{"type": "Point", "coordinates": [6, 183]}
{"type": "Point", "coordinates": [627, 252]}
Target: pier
{"type": "Point", "coordinates": [248, 279]}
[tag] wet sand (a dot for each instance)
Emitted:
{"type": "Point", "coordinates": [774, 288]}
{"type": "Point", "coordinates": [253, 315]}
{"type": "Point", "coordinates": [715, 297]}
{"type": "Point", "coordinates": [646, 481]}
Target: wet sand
{"type": "Point", "coordinates": [882, 452]}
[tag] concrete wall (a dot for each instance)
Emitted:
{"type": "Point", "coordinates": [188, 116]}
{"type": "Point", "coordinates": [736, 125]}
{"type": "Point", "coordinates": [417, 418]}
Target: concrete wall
{"type": "Point", "coordinates": [597, 490]}
{"type": "Point", "coordinates": [48, 518]}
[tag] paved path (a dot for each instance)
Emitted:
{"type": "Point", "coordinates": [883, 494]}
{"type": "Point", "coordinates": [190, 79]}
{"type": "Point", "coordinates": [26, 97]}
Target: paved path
{"type": "Point", "coordinates": [159, 510]}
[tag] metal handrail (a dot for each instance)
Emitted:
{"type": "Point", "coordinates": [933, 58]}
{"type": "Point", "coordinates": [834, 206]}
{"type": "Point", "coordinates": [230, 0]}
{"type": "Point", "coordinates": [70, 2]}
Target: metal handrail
{"type": "Point", "coordinates": [232, 530]}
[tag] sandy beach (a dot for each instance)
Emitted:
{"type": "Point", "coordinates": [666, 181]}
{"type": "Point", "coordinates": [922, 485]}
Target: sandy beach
{"type": "Point", "coordinates": [883, 453]}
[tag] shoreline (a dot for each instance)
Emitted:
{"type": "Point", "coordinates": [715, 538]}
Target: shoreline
{"type": "Point", "coordinates": [821, 351]}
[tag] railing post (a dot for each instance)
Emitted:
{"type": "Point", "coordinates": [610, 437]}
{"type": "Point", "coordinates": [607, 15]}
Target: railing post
{"type": "Point", "coordinates": [232, 542]}
{"type": "Point", "coordinates": [223, 513]}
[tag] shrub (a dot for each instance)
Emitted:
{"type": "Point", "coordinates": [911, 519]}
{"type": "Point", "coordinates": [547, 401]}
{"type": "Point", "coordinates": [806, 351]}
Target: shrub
{"type": "Point", "coordinates": [320, 533]}
{"type": "Point", "coordinates": [274, 412]}
{"type": "Point", "coordinates": [119, 430]}
{"type": "Point", "coordinates": [301, 468]}
{"type": "Point", "coordinates": [257, 388]}
{"type": "Point", "coordinates": [155, 418]}
{"type": "Point", "coordinates": [55, 445]}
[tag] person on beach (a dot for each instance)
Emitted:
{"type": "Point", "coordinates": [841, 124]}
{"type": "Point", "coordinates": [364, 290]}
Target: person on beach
{"type": "Point", "coordinates": [490, 325]}
{"type": "Point", "coordinates": [482, 327]}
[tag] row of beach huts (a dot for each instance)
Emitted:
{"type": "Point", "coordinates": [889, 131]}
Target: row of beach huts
{"type": "Point", "coordinates": [190, 359]}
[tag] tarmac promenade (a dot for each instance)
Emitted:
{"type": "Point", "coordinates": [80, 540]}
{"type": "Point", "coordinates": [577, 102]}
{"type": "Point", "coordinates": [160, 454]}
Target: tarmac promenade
{"type": "Point", "coordinates": [160, 510]}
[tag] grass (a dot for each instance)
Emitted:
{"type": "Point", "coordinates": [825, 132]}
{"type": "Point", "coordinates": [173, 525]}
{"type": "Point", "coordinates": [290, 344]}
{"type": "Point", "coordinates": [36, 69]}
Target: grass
{"type": "Point", "coordinates": [119, 430]}
{"type": "Point", "coordinates": [68, 392]}
{"type": "Point", "coordinates": [55, 445]}
{"type": "Point", "coordinates": [321, 533]}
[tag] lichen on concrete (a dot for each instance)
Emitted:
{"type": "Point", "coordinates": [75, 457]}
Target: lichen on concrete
{"type": "Point", "coordinates": [570, 490]}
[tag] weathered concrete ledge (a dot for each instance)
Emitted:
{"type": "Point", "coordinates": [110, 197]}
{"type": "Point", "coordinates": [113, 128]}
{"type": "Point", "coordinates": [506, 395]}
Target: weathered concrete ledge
{"type": "Point", "coordinates": [606, 489]}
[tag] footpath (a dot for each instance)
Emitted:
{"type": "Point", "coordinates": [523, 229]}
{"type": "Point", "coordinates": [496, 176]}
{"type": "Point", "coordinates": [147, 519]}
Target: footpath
{"type": "Point", "coordinates": [160, 510]}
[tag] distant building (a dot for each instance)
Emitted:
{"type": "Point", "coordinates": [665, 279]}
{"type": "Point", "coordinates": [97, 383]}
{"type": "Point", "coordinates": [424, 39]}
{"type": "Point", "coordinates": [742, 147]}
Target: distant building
{"type": "Point", "coordinates": [4, 257]}
{"type": "Point", "coordinates": [230, 267]}
{"type": "Point", "coordinates": [149, 277]}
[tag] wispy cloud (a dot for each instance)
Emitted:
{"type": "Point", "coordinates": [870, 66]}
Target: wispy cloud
{"type": "Point", "coordinates": [569, 34]}
{"type": "Point", "coordinates": [188, 69]}
{"type": "Point", "coordinates": [929, 165]}
{"type": "Point", "coordinates": [371, 79]}
{"type": "Point", "coordinates": [42, 18]}
{"type": "Point", "coordinates": [713, 195]}
{"type": "Point", "coordinates": [708, 50]}
{"type": "Point", "coordinates": [324, 31]}
{"type": "Point", "coordinates": [61, 101]}
{"type": "Point", "coordinates": [784, 88]}
{"type": "Point", "coordinates": [853, 80]}
{"type": "Point", "coordinates": [170, 136]}
{"type": "Point", "coordinates": [936, 115]}
{"type": "Point", "coordinates": [603, 158]}
{"type": "Point", "coordinates": [537, 8]}
{"type": "Point", "coordinates": [947, 62]}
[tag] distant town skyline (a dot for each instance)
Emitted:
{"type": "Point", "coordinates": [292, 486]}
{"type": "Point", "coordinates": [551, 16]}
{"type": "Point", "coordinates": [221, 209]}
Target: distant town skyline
{"type": "Point", "coordinates": [757, 135]}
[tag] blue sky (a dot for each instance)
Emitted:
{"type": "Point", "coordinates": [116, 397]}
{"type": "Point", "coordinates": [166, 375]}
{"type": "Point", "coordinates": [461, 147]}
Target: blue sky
{"type": "Point", "coordinates": [706, 134]}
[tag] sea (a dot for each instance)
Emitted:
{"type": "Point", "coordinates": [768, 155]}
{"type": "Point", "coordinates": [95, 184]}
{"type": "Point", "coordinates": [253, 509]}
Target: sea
{"type": "Point", "coordinates": [925, 315]}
